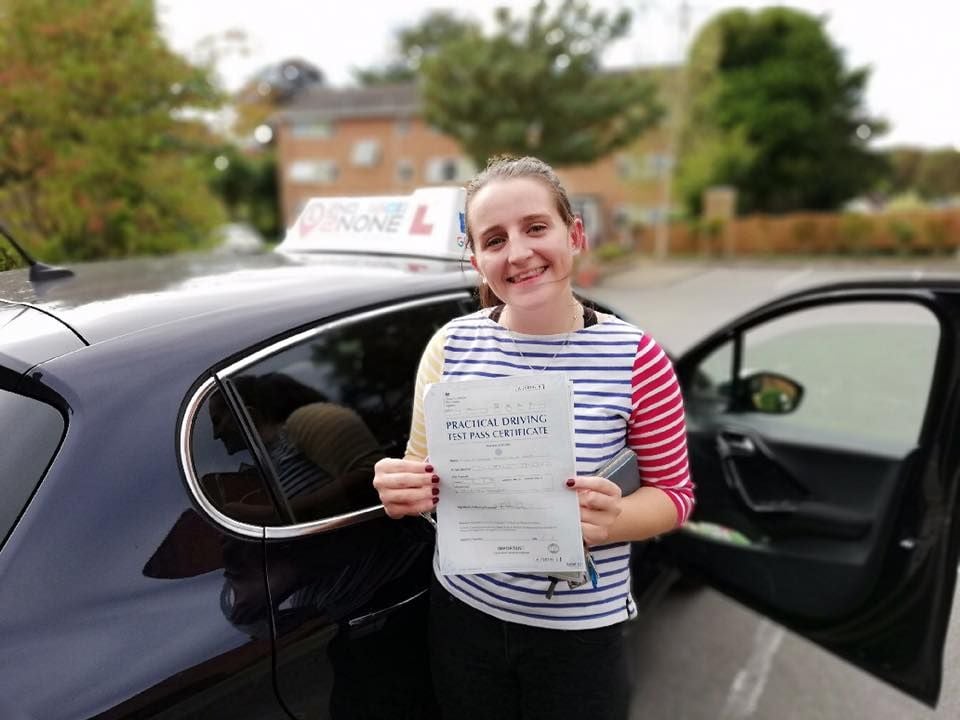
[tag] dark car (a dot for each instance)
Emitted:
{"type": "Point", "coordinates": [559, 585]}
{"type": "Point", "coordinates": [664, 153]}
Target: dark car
{"type": "Point", "coordinates": [189, 529]}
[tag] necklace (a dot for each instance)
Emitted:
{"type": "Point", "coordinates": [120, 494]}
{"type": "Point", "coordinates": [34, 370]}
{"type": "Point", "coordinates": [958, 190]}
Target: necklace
{"type": "Point", "coordinates": [577, 310]}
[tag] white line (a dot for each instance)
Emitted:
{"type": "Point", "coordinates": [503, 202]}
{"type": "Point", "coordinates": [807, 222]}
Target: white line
{"type": "Point", "coordinates": [792, 278]}
{"type": "Point", "coordinates": [748, 685]}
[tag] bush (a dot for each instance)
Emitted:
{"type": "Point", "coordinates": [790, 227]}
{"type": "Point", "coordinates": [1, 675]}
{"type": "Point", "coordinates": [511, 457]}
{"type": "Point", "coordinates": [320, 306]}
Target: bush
{"type": "Point", "coordinates": [8, 261]}
{"type": "Point", "coordinates": [610, 251]}
{"type": "Point", "coordinates": [904, 235]}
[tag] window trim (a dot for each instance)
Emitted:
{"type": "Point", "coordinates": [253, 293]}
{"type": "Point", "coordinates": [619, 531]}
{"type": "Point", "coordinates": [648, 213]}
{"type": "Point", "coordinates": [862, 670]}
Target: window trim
{"type": "Point", "coordinates": [281, 532]}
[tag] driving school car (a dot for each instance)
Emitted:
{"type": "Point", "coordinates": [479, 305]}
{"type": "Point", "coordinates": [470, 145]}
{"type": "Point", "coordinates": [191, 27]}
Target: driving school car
{"type": "Point", "coordinates": [187, 521]}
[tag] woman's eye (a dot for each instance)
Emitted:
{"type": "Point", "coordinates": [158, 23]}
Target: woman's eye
{"type": "Point", "coordinates": [538, 228]}
{"type": "Point", "coordinates": [493, 241]}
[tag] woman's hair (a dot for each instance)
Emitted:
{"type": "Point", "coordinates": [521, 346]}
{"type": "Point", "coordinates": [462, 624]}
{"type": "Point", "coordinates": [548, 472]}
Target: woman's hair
{"type": "Point", "coordinates": [505, 167]}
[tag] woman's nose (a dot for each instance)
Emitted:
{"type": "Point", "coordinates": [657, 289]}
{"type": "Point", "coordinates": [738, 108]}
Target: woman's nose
{"type": "Point", "coordinates": [519, 250]}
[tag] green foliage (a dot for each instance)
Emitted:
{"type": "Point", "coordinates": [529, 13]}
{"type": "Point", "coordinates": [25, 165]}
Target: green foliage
{"type": "Point", "coordinates": [610, 251]}
{"type": "Point", "coordinates": [904, 235]}
{"type": "Point", "coordinates": [94, 158]}
{"type": "Point", "coordinates": [248, 188]}
{"type": "Point", "coordinates": [933, 174]}
{"type": "Point", "coordinates": [8, 258]}
{"type": "Point", "coordinates": [534, 87]}
{"type": "Point", "coordinates": [415, 42]}
{"type": "Point", "coordinates": [773, 111]}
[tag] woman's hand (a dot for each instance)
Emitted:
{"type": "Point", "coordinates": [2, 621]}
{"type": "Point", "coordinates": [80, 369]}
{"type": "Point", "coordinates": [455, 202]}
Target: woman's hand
{"type": "Point", "coordinates": [406, 487]}
{"type": "Point", "coordinates": [599, 507]}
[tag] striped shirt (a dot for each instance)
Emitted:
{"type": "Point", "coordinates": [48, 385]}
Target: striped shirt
{"type": "Point", "coordinates": [625, 393]}
{"type": "Point", "coordinates": [296, 473]}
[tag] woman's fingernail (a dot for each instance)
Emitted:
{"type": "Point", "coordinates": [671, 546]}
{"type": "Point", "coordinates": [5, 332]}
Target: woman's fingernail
{"type": "Point", "coordinates": [429, 468]}
{"type": "Point", "coordinates": [571, 482]}
{"type": "Point", "coordinates": [435, 479]}
{"type": "Point", "coordinates": [436, 491]}
{"type": "Point", "coordinates": [436, 500]}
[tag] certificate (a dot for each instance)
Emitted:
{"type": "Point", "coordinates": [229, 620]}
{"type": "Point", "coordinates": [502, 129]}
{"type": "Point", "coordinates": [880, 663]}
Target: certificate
{"type": "Point", "coordinates": [503, 449]}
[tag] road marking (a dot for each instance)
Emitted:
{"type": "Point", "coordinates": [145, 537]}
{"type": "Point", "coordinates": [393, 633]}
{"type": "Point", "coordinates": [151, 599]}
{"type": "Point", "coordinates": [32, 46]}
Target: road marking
{"type": "Point", "coordinates": [792, 278]}
{"type": "Point", "coordinates": [748, 685]}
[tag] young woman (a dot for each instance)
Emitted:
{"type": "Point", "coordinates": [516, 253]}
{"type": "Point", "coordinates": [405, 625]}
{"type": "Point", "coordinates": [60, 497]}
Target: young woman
{"type": "Point", "coordinates": [504, 645]}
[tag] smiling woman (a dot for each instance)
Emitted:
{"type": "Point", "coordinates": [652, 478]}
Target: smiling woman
{"type": "Point", "coordinates": [510, 644]}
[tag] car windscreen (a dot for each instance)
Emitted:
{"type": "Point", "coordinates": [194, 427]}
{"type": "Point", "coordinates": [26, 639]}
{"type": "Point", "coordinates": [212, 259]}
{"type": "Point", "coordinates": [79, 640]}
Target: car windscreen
{"type": "Point", "coordinates": [30, 432]}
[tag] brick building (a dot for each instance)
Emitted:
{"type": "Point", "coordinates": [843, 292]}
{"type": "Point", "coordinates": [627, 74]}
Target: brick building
{"type": "Point", "coordinates": [372, 141]}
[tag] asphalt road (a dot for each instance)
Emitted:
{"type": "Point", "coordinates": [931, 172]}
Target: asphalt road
{"type": "Point", "coordinates": [704, 657]}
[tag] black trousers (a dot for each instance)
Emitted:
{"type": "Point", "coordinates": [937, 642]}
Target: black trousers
{"type": "Point", "coordinates": [490, 669]}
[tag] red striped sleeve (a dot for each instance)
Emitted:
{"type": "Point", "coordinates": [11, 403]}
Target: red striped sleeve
{"type": "Point", "coordinates": [657, 432]}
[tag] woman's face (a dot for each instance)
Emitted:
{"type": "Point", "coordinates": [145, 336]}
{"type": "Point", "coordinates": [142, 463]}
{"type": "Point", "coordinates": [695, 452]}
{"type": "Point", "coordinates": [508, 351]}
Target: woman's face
{"type": "Point", "coordinates": [520, 243]}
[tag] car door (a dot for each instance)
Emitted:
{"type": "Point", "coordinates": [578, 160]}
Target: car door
{"type": "Point", "coordinates": [346, 585]}
{"type": "Point", "coordinates": [822, 438]}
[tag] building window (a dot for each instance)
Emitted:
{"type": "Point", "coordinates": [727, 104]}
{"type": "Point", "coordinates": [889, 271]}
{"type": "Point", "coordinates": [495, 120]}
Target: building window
{"type": "Point", "coordinates": [316, 130]}
{"type": "Point", "coordinates": [650, 166]}
{"type": "Point", "coordinates": [405, 171]}
{"type": "Point", "coordinates": [366, 153]}
{"type": "Point", "coordinates": [659, 164]}
{"type": "Point", "coordinates": [313, 171]}
{"type": "Point", "coordinates": [449, 169]}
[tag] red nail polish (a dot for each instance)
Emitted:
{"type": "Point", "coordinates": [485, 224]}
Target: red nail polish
{"type": "Point", "coordinates": [435, 479]}
{"type": "Point", "coordinates": [428, 468]}
{"type": "Point", "coordinates": [436, 491]}
{"type": "Point", "coordinates": [571, 482]}
{"type": "Point", "coordinates": [436, 500]}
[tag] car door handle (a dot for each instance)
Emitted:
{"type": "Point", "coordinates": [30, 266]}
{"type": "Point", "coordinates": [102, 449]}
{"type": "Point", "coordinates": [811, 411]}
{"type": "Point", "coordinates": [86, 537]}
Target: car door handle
{"type": "Point", "coordinates": [731, 443]}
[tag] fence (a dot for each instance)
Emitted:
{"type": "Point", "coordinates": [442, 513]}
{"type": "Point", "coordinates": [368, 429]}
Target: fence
{"type": "Point", "coordinates": [908, 233]}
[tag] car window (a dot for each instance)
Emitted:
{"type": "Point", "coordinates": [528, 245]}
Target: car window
{"type": "Point", "coordinates": [225, 466]}
{"type": "Point", "coordinates": [326, 409]}
{"type": "Point", "coordinates": [865, 371]}
{"type": "Point", "coordinates": [30, 432]}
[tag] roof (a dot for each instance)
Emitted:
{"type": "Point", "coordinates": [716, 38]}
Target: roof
{"type": "Point", "coordinates": [317, 102]}
{"type": "Point", "coordinates": [109, 299]}
{"type": "Point", "coordinates": [402, 100]}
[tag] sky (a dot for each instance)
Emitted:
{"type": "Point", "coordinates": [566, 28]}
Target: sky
{"type": "Point", "coordinates": [910, 46]}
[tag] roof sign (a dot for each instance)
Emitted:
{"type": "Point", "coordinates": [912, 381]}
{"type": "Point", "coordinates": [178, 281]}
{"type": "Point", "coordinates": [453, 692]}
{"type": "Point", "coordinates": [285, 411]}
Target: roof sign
{"type": "Point", "coordinates": [428, 223]}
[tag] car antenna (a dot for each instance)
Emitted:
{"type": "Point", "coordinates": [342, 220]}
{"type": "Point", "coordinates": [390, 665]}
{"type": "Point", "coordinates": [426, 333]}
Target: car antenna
{"type": "Point", "coordinates": [39, 272]}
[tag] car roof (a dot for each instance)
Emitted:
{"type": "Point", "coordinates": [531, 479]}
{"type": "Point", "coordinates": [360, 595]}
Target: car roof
{"type": "Point", "coordinates": [104, 300]}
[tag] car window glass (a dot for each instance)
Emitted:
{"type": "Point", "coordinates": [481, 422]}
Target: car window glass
{"type": "Point", "coordinates": [327, 409]}
{"type": "Point", "coordinates": [865, 370]}
{"type": "Point", "coordinates": [228, 474]}
{"type": "Point", "coordinates": [31, 432]}
{"type": "Point", "coordinates": [711, 380]}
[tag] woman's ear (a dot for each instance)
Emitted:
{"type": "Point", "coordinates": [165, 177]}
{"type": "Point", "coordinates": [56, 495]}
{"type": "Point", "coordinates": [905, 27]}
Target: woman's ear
{"type": "Point", "coordinates": [578, 237]}
{"type": "Point", "coordinates": [473, 262]}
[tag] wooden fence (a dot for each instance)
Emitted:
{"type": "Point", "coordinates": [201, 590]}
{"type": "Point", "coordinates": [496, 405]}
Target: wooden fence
{"type": "Point", "coordinates": [909, 233]}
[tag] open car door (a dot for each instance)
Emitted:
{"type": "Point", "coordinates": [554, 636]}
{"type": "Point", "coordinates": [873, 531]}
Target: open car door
{"type": "Point", "coordinates": [824, 438]}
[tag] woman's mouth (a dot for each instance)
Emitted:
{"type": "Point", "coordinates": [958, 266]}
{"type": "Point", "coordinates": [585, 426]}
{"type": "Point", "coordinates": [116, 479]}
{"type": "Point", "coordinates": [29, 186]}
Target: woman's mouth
{"type": "Point", "coordinates": [527, 275]}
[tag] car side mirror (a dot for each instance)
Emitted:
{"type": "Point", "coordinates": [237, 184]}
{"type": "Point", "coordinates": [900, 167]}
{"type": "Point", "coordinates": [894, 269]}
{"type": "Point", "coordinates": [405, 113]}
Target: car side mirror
{"type": "Point", "coordinates": [768, 392]}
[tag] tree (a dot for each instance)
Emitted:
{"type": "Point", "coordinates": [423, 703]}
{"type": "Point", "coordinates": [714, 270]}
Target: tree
{"type": "Point", "coordinates": [773, 111]}
{"type": "Point", "coordinates": [535, 87]}
{"type": "Point", "coordinates": [939, 174]}
{"type": "Point", "coordinates": [271, 88]}
{"type": "Point", "coordinates": [415, 42]}
{"type": "Point", "coordinates": [247, 185]}
{"type": "Point", "coordinates": [931, 174]}
{"type": "Point", "coordinates": [96, 156]}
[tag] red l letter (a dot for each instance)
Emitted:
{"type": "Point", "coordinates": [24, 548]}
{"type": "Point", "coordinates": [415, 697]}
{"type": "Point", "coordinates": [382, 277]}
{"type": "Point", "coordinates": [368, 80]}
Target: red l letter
{"type": "Point", "coordinates": [419, 226]}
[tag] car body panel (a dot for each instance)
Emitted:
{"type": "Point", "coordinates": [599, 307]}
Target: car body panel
{"type": "Point", "coordinates": [111, 299]}
{"type": "Point", "coordinates": [29, 336]}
